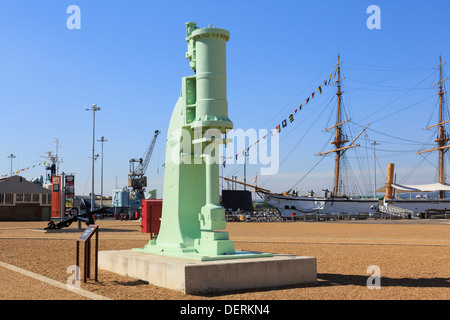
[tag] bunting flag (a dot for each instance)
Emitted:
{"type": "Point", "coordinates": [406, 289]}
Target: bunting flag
{"type": "Point", "coordinates": [19, 171]}
{"type": "Point", "coordinates": [291, 117]}
{"type": "Point", "coordinates": [284, 123]}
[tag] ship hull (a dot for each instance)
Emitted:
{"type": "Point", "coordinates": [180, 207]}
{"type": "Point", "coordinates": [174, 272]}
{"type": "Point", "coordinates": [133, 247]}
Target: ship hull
{"type": "Point", "coordinates": [291, 205]}
{"type": "Point", "coordinates": [420, 205]}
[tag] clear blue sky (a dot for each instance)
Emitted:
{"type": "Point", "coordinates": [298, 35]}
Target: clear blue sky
{"type": "Point", "coordinates": [129, 58]}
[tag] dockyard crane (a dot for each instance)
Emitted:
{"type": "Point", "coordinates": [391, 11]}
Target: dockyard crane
{"type": "Point", "coordinates": [136, 178]}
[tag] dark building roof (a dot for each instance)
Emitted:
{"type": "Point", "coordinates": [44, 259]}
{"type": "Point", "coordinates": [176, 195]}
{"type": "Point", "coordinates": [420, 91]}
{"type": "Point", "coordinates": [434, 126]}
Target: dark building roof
{"type": "Point", "coordinates": [17, 184]}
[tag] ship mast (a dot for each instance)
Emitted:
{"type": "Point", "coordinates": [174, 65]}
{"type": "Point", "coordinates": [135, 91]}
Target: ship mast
{"type": "Point", "coordinates": [339, 138]}
{"type": "Point", "coordinates": [442, 141]}
{"type": "Point", "coordinates": [442, 136]}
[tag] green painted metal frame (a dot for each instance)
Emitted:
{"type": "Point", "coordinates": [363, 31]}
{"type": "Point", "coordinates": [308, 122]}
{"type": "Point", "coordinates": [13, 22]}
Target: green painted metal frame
{"type": "Point", "coordinates": [193, 221]}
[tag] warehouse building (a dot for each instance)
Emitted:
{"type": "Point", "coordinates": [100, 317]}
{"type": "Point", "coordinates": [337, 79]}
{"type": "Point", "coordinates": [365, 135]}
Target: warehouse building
{"type": "Point", "coordinates": [22, 200]}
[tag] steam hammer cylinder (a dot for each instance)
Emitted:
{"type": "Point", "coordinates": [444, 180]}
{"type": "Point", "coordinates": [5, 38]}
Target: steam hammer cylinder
{"type": "Point", "coordinates": [207, 52]}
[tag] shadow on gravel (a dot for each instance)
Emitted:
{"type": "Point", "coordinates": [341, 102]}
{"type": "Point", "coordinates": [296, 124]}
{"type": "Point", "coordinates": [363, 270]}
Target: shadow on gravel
{"type": "Point", "coordinates": [250, 290]}
{"type": "Point", "coordinates": [80, 231]}
{"type": "Point", "coordinates": [133, 283]}
{"type": "Point", "coordinates": [118, 230]}
{"type": "Point", "coordinates": [331, 279]}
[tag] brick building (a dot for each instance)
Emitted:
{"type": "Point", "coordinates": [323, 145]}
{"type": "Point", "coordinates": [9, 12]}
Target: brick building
{"type": "Point", "coordinates": [22, 200]}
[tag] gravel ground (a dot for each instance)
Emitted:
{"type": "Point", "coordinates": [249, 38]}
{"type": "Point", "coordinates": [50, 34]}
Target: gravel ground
{"type": "Point", "coordinates": [413, 258]}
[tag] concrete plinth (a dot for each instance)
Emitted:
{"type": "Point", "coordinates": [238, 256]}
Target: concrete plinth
{"type": "Point", "coordinates": [197, 277]}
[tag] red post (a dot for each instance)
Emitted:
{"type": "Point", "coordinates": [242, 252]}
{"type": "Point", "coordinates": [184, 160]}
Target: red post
{"type": "Point", "coordinates": [56, 197]}
{"type": "Point", "coordinates": [151, 215]}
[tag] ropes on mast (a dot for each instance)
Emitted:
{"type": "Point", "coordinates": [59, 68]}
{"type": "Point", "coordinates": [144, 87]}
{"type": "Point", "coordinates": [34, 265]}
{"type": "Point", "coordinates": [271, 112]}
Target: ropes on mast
{"type": "Point", "coordinates": [353, 125]}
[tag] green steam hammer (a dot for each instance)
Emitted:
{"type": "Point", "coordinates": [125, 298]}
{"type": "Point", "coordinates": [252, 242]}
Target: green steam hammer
{"type": "Point", "coordinates": [192, 214]}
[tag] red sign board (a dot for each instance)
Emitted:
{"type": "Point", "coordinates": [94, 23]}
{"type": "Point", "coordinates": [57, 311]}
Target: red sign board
{"type": "Point", "coordinates": [56, 197]}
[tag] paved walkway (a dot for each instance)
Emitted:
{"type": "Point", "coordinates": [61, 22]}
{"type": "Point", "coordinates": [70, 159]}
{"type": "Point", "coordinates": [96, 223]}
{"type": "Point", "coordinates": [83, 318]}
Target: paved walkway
{"type": "Point", "coordinates": [18, 283]}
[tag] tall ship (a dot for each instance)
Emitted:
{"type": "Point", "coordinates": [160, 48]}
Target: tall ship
{"type": "Point", "coordinates": [421, 203]}
{"type": "Point", "coordinates": [335, 201]}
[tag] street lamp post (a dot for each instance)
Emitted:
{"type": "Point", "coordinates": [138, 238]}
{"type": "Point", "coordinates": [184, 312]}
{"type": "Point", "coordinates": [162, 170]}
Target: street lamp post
{"type": "Point", "coordinates": [102, 139]}
{"type": "Point", "coordinates": [12, 157]}
{"type": "Point", "coordinates": [245, 168]}
{"type": "Point", "coordinates": [375, 168]}
{"type": "Point", "coordinates": [94, 108]}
